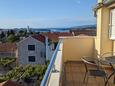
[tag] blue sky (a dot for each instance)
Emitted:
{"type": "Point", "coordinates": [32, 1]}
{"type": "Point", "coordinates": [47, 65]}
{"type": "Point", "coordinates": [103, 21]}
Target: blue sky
{"type": "Point", "coordinates": [46, 13]}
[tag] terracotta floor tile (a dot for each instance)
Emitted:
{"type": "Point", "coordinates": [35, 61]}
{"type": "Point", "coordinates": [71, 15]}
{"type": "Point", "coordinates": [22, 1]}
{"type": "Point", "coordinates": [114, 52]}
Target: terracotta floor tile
{"type": "Point", "coordinates": [74, 75]}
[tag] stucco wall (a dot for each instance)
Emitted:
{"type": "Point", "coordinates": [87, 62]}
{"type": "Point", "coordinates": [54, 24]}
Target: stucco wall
{"type": "Point", "coordinates": [106, 42]}
{"type": "Point", "coordinates": [114, 46]}
{"type": "Point", "coordinates": [76, 47]}
{"type": "Point", "coordinates": [23, 52]}
{"type": "Point", "coordinates": [102, 42]}
{"type": "Point", "coordinates": [98, 36]}
{"type": "Point", "coordinates": [99, 1]}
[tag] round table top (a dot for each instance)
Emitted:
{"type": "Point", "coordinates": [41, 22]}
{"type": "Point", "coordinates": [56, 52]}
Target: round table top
{"type": "Point", "coordinates": [110, 59]}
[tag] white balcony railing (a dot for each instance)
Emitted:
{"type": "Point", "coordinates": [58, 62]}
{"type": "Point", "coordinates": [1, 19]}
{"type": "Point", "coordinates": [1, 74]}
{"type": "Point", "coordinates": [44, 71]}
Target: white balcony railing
{"type": "Point", "coordinates": [72, 48]}
{"type": "Point", "coordinates": [52, 75]}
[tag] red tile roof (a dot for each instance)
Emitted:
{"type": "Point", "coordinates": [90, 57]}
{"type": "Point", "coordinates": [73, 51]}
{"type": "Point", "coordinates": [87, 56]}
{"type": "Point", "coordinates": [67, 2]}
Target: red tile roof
{"type": "Point", "coordinates": [55, 35]}
{"type": "Point", "coordinates": [9, 83]}
{"type": "Point", "coordinates": [39, 37]}
{"type": "Point", "coordinates": [89, 32]}
{"type": "Point", "coordinates": [8, 47]}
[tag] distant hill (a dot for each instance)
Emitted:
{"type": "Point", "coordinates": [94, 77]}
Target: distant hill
{"type": "Point", "coordinates": [84, 27]}
{"type": "Point", "coordinates": [55, 29]}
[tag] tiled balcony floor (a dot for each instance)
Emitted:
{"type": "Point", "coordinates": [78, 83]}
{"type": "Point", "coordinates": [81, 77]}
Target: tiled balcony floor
{"type": "Point", "coordinates": [74, 74]}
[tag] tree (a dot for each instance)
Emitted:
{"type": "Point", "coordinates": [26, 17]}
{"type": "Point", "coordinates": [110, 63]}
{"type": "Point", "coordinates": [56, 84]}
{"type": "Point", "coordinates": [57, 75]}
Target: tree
{"type": "Point", "coordinates": [8, 33]}
{"type": "Point", "coordinates": [25, 33]}
{"type": "Point", "coordinates": [12, 38]}
{"type": "Point", "coordinates": [12, 32]}
{"type": "Point", "coordinates": [22, 33]}
{"type": "Point", "coordinates": [2, 37]}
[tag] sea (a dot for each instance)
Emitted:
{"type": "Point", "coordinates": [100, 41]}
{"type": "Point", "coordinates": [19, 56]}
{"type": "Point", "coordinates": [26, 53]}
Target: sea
{"type": "Point", "coordinates": [51, 30]}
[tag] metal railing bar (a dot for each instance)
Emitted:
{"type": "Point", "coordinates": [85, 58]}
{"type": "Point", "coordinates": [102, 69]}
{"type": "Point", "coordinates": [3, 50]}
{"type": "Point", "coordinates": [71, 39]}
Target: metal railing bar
{"type": "Point", "coordinates": [49, 69]}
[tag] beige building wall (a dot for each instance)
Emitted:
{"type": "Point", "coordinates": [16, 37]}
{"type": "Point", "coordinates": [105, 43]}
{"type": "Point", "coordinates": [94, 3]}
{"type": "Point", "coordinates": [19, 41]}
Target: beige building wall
{"type": "Point", "coordinates": [106, 42]}
{"type": "Point", "coordinates": [102, 42]}
{"type": "Point", "coordinates": [98, 37]}
{"type": "Point", "coordinates": [76, 47]}
{"type": "Point", "coordinates": [114, 46]}
{"type": "Point", "coordinates": [99, 1]}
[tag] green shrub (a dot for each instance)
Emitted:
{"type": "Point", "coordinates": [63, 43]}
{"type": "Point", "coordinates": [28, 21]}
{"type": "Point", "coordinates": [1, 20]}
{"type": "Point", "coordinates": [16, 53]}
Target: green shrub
{"type": "Point", "coordinates": [25, 72]}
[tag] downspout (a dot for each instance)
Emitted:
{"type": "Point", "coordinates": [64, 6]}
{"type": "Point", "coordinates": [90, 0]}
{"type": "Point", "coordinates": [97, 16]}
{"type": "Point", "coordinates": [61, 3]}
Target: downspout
{"type": "Point", "coordinates": [113, 46]}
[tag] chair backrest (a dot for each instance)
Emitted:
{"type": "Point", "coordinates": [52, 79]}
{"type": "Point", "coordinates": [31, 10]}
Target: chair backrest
{"type": "Point", "coordinates": [90, 63]}
{"type": "Point", "coordinates": [104, 55]}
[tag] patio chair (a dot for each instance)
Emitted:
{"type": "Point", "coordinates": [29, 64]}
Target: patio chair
{"type": "Point", "coordinates": [93, 69]}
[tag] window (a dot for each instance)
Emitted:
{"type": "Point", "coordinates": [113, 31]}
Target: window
{"type": "Point", "coordinates": [112, 24]}
{"type": "Point", "coordinates": [31, 58]}
{"type": "Point", "coordinates": [31, 47]}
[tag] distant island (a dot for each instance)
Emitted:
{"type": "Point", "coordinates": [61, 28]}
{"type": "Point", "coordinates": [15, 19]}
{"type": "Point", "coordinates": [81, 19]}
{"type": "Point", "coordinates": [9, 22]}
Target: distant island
{"type": "Point", "coordinates": [54, 29]}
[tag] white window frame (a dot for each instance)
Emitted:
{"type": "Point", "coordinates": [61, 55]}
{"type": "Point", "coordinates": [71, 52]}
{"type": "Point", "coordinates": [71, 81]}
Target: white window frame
{"type": "Point", "coordinates": [110, 26]}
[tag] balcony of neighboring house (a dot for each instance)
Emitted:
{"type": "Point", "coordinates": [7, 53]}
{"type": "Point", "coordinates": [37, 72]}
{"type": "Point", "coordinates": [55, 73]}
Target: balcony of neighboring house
{"type": "Point", "coordinates": [66, 67]}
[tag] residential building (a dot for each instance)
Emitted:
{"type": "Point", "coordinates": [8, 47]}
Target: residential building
{"type": "Point", "coordinates": [66, 60]}
{"type": "Point", "coordinates": [54, 36]}
{"type": "Point", "coordinates": [52, 40]}
{"type": "Point", "coordinates": [105, 13]}
{"type": "Point", "coordinates": [8, 49]}
{"type": "Point", "coordinates": [88, 32]}
{"type": "Point", "coordinates": [10, 83]}
{"type": "Point", "coordinates": [31, 50]}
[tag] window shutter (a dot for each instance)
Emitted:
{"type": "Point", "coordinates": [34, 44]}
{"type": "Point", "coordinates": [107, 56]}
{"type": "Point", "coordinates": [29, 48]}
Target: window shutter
{"type": "Point", "coordinates": [112, 24]}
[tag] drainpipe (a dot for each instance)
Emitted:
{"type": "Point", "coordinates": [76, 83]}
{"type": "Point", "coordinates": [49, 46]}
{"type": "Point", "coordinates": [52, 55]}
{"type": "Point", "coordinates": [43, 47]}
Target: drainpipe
{"type": "Point", "coordinates": [113, 46]}
{"type": "Point", "coordinates": [47, 55]}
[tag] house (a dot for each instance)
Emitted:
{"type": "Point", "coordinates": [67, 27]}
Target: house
{"type": "Point", "coordinates": [54, 36]}
{"type": "Point", "coordinates": [8, 49]}
{"type": "Point", "coordinates": [105, 14]}
{"type": "Point", "coordinates": [31, 50]}
{"type": "Point", "coordinates": [52, 40]}
{"type": "Point", "coordinates": [9, 83]}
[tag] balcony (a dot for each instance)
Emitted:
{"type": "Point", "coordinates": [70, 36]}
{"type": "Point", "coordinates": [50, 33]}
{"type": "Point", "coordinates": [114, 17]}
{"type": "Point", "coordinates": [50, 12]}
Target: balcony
{"type": "Point", "coordinates": [105, 3]}
{"type": "Point", "coordinates": [108, 1]}
{"type": "Point", "coordinates": [66, 67]}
